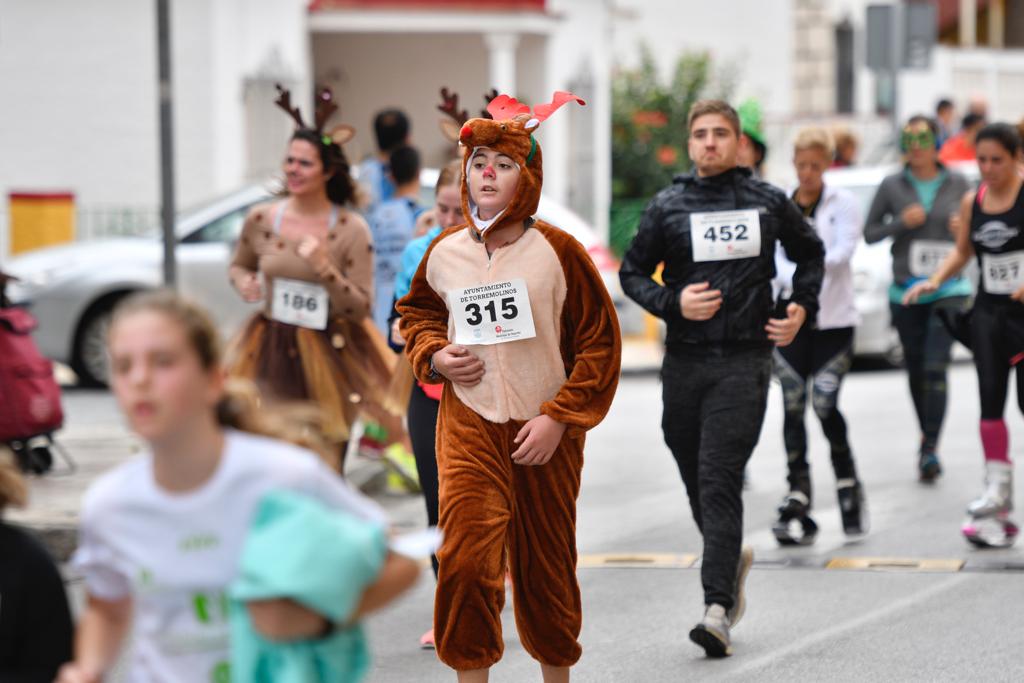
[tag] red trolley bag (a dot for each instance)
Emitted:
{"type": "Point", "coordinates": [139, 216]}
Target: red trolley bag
{"type": "Point", "coordinates": [29, 395]}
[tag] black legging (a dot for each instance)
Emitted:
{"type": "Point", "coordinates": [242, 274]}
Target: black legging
{"type": "Point", "coordinates": [422, 418]}
{"type": "Point", "coordinates": [714, 404]}
{"type": "Point", "coordinates": [997, 337]}
{"type": "Point", "coordinates": [926, 346]}
{"type": "Point", "coordinates": [822, 357]}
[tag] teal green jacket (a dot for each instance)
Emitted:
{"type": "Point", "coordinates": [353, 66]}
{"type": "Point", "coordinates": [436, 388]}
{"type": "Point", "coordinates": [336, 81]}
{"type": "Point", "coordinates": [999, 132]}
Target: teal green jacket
{"type": "Point", "coordinates": [300, 549]}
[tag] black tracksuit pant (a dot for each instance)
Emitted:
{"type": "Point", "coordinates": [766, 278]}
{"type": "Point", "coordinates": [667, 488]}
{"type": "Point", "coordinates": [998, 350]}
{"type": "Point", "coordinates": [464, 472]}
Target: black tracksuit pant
{"type": "Point", "coordinates": [422, 418]}
{"type": "Point", "coordinates": [714, 401]}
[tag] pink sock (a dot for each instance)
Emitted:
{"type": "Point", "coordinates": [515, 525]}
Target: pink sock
{"type": "Point", "coordinates": [995, 440]}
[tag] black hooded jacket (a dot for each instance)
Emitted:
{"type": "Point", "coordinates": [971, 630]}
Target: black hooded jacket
{"type": "Point", "coordinates": [664, 236]}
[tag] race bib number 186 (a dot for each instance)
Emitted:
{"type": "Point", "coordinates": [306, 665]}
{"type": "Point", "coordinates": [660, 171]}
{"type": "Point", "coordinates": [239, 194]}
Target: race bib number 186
{"type": "Point", "coordinates": [725, 235]}
{"type": "Point", "coordinates": [299, 303]}
{"type": "Point", "coordinates": [494, 313]}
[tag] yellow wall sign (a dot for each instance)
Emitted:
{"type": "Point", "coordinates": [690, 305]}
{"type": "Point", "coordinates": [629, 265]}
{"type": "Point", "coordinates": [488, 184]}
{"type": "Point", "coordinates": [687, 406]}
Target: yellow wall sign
{"type": "Point", "coordinates": [40, 219]}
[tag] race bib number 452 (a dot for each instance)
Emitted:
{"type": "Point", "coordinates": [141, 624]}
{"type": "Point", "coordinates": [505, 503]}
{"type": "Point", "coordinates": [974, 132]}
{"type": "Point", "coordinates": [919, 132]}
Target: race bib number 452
{"type": "Point", "coordinates": [494, 313]}
{"type": "Point", "coordinates": [301, 303]}
{"type": "Point", "coordinates": [1002, 273]}
{"type": "Point", "coordinates": [725, 235]}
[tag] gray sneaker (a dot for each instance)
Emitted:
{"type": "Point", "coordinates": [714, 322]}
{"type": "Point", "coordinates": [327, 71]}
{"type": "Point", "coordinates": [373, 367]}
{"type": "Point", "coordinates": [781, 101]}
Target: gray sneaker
{"type": "Point", "coordinates": [739, 604]}
{"type": "Point", "coordinates": [712, 632]}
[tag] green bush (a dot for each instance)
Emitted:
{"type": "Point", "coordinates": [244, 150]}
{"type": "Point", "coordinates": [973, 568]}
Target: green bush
{"type": "Point", "coordinates": [649, 132]}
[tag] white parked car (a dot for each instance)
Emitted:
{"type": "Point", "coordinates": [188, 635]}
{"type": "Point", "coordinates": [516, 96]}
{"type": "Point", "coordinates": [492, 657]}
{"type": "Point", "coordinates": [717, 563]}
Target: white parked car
{"type": "Point", "coordinates": [72, 288]}
{"type": "Point", "coordinates": [872, 263]}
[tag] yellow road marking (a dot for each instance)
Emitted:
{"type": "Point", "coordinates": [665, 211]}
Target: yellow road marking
{"type": "Point", "coordinates": [634, 560]}
{"type": "Point", "coordinates": [896, 564]}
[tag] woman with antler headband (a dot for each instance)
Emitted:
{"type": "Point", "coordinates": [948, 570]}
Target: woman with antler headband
{"type": "Point", "coordinates": [512, 316]}
{"type": "Point", "coordinates": [309, 258]}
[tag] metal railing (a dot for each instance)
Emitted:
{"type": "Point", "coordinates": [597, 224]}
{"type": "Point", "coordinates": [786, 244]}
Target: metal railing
{"type": "Point", "coordinates": [105, 221]}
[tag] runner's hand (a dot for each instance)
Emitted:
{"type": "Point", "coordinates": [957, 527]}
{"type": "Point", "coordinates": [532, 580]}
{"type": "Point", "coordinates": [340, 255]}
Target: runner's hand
{"type": "Point", "coordinates": [424, 223]}
{"type": "Point", "coordinates": [913, 216]}
{"type": "Point", "coordinates": [313, 251]}
{"type": "Point", "coordinates": [459, 365]}
{"type": "Point", "coordinates": [697, 302]}
{"type": "Point", "coordinates": [1018, 295]}
{"type": "Point", "coordinates": [783, 330]}
{"type": "Point", "coordinates": [284, 620]}
{"type": "Point", "coordinates": [73, 672]}
{"type": "Point", "coordinates": [250, 287]}
{"type": "Point", "coordinates": [537, 441]}
{"type": "Point", "coordinates": [919, 290]}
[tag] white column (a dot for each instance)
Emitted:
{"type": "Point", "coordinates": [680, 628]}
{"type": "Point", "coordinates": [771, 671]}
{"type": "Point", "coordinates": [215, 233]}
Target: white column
{"type": "Point", "coordinates": [502, 61]}
{"type": "Point", "coordinates": [996, 23]}
{"type": "Point", "coordinates": [968, 23]}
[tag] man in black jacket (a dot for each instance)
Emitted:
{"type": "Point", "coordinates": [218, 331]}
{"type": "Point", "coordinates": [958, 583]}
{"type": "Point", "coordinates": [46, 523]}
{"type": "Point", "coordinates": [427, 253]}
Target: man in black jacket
{"type": "Point", "coordinates": [715, 232]}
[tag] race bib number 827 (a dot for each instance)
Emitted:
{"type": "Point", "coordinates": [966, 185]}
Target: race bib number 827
{"type": "Point", "coordinates": [1002, 273]}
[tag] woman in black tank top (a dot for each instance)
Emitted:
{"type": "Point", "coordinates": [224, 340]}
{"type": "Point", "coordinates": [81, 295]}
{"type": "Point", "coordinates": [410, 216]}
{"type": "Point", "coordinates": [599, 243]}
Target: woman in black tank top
{"type": "Point", "coordinates": [995, 219]}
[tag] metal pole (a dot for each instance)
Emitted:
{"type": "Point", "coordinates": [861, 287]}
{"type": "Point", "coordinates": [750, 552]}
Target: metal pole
{"type": "Point", "coordinates": [163, 30]}
{"type": "Point", "coordinates": [895, 64]}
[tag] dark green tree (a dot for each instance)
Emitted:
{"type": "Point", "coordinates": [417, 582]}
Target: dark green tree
{"type": "Point", "coordinates": [649, 131]}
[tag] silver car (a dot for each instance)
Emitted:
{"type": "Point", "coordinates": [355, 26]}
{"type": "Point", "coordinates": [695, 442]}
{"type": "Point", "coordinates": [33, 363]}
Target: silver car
{"type": "Point", "coordinates": [72, 289]}
{"type": "Point", "coordinates": [872, 263]}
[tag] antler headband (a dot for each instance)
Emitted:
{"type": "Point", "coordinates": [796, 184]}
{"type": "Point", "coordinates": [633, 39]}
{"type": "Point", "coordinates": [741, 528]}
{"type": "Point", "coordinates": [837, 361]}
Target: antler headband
{"type": "Point", "coordinates": [455, 118]}
{"type": "Point", "coordinates": [325, 107]}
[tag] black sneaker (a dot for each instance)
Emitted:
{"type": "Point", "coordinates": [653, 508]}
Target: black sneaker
{"type": "Point", "coordinates": [794, 525]}
{"type": "Point", "coordinates": [852, 507]}
{"type": "Point", "coordinates": [928, 467]}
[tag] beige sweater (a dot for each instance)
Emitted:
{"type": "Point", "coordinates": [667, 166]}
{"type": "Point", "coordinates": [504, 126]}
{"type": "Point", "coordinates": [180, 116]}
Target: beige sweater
{"type": "Point", "coordinates": [349, 282]}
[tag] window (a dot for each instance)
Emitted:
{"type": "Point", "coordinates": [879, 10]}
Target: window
{"type": "Point", "coordinates": [227, 228]}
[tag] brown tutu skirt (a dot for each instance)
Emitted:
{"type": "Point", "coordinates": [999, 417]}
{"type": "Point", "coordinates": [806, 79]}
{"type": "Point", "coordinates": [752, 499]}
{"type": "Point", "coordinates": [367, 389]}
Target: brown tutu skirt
{"type": "Point", "coordinates": [344, 370]}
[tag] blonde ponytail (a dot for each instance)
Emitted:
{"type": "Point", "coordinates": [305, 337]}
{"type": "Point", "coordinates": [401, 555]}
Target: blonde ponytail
{"type": "Point", "coordinates": [298, 423]}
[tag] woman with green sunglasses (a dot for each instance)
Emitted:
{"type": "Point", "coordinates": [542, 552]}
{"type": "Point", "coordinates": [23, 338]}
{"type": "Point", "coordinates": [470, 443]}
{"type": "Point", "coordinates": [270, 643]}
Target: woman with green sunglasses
{"type": "Point", "coordinates": [917, 208]}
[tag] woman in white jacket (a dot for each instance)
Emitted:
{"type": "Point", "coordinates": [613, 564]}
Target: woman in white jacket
{"type": "Point", "coordinates": [821, 354]}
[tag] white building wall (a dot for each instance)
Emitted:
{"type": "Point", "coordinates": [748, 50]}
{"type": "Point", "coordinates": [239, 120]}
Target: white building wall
{"type": "Point", "coordinates": [377, 59]}
{"type": "Point", "coordinates": [80, 102]}
{"type": "Point", "coordinates": [372, 71]}
{"type": "Point", "coordinates": [752, 38]}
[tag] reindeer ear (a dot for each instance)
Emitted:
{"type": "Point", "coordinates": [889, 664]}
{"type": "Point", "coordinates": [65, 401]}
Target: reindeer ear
{"type": "Point", "coordinates": [531, 124]}
{"type": "Point", "coordinates": [449, 129]}
{"type": "Point", "coordinates": [542, 111]}
{"type": "Point", "coordinates": [342, 134]}
{"type": "Point", "coordinates": [504, 107]}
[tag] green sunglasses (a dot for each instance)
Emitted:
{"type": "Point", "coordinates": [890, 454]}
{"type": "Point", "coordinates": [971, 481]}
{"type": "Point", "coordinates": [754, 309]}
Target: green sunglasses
{"type": "Point", "coordinates": [922, 139]}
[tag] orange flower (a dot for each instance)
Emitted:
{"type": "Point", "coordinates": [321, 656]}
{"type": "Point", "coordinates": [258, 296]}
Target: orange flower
{"type": "Point", "coordinates": [654, 119]}
{"type": "Point", "coordinates": [667, 155]}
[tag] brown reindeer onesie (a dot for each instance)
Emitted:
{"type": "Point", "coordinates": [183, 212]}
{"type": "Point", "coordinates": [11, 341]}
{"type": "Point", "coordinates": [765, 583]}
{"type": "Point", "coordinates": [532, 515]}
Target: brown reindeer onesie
{"type": "Point", "coordinates": [494, 513]}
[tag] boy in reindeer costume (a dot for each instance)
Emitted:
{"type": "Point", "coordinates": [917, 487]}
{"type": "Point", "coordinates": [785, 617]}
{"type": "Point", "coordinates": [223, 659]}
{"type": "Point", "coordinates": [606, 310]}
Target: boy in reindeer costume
{"type": "Point", "coordinates": [511, 314]}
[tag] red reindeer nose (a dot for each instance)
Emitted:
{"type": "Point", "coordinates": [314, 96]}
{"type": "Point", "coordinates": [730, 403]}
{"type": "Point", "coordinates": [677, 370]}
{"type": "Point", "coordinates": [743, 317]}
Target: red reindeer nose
{"type": "Point", "coordinates": [465, 132]}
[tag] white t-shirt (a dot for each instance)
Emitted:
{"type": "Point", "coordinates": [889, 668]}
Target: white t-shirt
{"type": "Point", "coordinates": [176, 554]}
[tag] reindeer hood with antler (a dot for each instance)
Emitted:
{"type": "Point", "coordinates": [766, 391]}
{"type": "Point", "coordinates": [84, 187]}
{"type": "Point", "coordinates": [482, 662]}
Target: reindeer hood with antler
{"type": "Point", "coordinates": [509, 132]}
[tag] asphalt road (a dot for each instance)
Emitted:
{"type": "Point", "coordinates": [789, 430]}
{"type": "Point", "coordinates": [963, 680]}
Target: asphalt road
{"type": "Point", "coordinates": [960, 618]}
{"type": "Point", "coordinates": [901, 622]}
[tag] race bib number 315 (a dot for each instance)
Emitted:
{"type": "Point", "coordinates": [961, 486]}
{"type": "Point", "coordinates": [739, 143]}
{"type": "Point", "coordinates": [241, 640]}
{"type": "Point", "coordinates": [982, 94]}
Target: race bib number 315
{"type": "Point", "coordinates": [1002, 273]}
{"type": "Point", "coordinates": [725, 235]}
{"type": "Point", "coordinates": [494, 313]}
{"type": "Point", "coordinates": [299, 303]}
